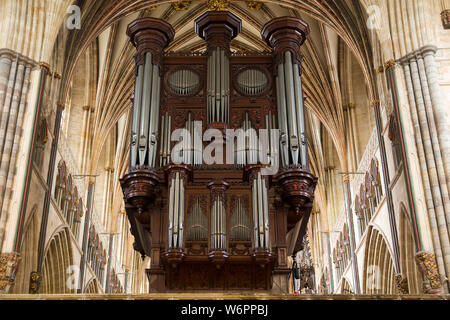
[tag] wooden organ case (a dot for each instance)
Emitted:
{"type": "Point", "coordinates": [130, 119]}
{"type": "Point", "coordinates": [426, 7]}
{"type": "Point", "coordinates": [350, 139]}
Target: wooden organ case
{"type": "Point", "coordinates": [221, 225]}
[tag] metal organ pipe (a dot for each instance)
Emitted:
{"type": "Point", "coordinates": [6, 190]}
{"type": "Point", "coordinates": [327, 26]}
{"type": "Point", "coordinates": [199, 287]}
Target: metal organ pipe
{"type": "Point", "coordinates": [281, 92]}
{"type": "Point", "coordinates": [154, 116]}
{"type": "Point", "coordinates": [217, 91]}
{"type": "Point", "coordinates": [265, 214]}
{"type": "Point", "coordinates": [212, 106]}
{"type": "Point", "coordinates": [196, 223]}
{"type": "Point", "coordinates": [255, 214]}
{"type": "Point", "coordinates": [301, 115]}
{"type": "Point", "coordinates": [222, 84]}
{"type": "Point", "coordinates": [146, 114]}
{"type": "Point", "coordinates": [218, 86]}
{"type": "Point", "coordinates": [136, 116]}
{"type": "Point", "coordinates": [291, 112]}
{"type": "Point", "coordinates": [260, 212]}
{"type": "Point", "coordinates": [213, 226]}
{"type": "Point", "coordinates": [171, 211]}
{"type": "Point", "coordinates": [163, 140]}
{"type": "Point", "coordinates": [218, 224]}
{"type": "Point", "coordinates": [145, 108]}
{"type": "Point", "coordinates": [290, 99]}
{"type": "Point", "coordinates": [176, 211]}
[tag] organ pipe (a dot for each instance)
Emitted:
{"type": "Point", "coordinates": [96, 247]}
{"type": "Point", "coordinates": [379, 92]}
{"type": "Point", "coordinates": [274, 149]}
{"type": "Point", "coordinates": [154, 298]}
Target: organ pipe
{"type": "Point", "coordinates": [164, 153]}
{"type": "Point", "coordinates": [146, 114]}
{"type": "Point", "coordinates": [260, 212]}
{"type": "Point", "coordinates": [239, 224]}
{"type": "Point", "coordinates": [197, 223]}
{"type": "Point", "coordinates": [176, 211]}
{"type": "Point", "coordinates": [218, 86]}
{"type": "Point", "coordinates": [136, 115]}
{"type": "Point", "coordinates": [300, 115]}
{"type": "Point", "coordinates": [291, 112]}
{"type": "Point", "coordinates": [218, 215]}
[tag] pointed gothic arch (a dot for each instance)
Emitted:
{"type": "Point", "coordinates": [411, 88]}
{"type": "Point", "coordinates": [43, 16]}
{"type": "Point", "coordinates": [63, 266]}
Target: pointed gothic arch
{"type": "Point", "coordinates": [378, 272]}
{"type": "Point", "coordinates": [92, 287]}
{"type": "Point", "coordinates": [346, 288]}
{"type": "Point", "coordinates": [57, 260]}
{"type": "Point", "coordinates": [28, 251]}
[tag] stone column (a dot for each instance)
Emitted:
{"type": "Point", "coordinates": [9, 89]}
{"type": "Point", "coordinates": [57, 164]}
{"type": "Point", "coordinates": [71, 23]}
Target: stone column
{"type": "Point", "coordinates": [326, 240]}
{"type": "Point", "coordinates": [48, 194]}
{"type": "Point", "coordinates": [354, 135]}
{"type": "Point", "coordinates": [389, 201]}
{"type": "Point", "coordinates": [15, 74]}
{"type": "Point", "coordinates": [87, 221]}
{"type": "Point", "coordinates": [427, 111]}
{"type": "Point", "coordinates": [108, 267]}
{"type": "Point", "coordinates": [351, 226]}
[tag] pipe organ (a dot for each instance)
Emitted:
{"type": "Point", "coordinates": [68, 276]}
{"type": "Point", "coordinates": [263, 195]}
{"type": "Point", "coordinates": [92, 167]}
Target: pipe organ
{"type": "Point", "coordinates": [221, 225]}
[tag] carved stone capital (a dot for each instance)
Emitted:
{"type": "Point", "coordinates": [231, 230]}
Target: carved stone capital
{"type": "Point", "coordinates": [21, 59]}
{"type": "Point", "coordinates": [9, 263]}
{"type": "Point", "coordinates": [432, 281]}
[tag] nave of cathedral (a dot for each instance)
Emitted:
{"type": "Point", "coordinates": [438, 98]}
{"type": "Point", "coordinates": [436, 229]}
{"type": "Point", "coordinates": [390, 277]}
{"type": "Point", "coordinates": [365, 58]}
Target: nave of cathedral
{"type": "Point", "coordinates": [338, 184]}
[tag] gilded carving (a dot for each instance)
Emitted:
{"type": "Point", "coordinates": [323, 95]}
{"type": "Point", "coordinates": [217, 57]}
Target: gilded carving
{"type": "Point", "coordinates": [9, 262]}
{"type": "Point", "coordinates": [254, 5]}
{"type": "Point", "coordinates": [402, 284]}
{"type": "Point", "coordinates": [35, 282]}
{"type": "Point", "coordinates": [181, 5]}
{"type": "Point", "coordinates": [218, 5]}
{"type": "Point", "coordinates": [432, 280]}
